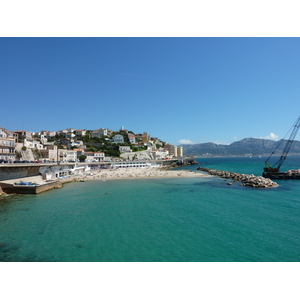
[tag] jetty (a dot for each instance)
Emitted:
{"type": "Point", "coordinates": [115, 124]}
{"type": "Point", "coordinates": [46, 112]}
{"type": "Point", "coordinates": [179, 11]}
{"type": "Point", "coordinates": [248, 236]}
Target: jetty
{"type": "Point", "coordinates": [246, 180]}
{"type": "Point", "coordinates": [29, 185]}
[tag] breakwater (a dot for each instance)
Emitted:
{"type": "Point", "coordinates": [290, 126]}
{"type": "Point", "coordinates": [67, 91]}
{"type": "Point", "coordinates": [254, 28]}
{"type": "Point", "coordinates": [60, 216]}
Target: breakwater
{"type": "Point", "coordinates": [246, 180]}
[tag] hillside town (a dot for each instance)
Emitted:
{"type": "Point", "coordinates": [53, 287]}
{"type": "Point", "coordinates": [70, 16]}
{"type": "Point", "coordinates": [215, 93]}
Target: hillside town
{"type": "Point", "coordinates": [78, 145]}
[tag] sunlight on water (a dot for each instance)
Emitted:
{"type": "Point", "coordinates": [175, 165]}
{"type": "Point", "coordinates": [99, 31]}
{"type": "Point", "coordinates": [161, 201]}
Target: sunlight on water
{"type": "Point", "coordinates": [179, 219]}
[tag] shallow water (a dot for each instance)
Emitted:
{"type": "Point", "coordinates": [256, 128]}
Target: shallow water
{"type": "Point", "coordinates": [172, 219]}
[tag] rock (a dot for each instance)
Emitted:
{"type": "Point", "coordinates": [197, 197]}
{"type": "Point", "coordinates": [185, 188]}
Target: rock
{"type": "Point", "coordinates": [247, 180]}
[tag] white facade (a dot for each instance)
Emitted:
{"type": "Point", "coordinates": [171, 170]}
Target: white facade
{"type": "Point", "coordinates": [80, 132]}
{"type": "Point", "coordinates": [7, 145]}
{"type": "Point", "coordinates": [94, 156]}
{"type": "Point", "coordinates": [118, 139]}
{"type": "Point", "coordinates": [62, 132]}
{"type": "Point", "coordinates": [132, 139]}
{"type": "Point", "coordinates": [33, 144]}
{"type": "Point", "coordinates": [99, 156]}
{"type": "Point", "coordinates": [67, 155]}
{"type": "Point", "coordinates": [78, 144]}
{"type": "Point", "coordinates": [47, 133]}
{"type": "Point", "coordinates": [124, 149]}
{"type": "Point", "coordinates": [160, 154]}
{"type": "Point", "coordinates": [99, 133]}
{"type": "Point", "coordinates": [134, 164]}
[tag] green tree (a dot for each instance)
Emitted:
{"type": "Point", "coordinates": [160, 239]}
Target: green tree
{"type": "Point", "coordinates": [82, 158]}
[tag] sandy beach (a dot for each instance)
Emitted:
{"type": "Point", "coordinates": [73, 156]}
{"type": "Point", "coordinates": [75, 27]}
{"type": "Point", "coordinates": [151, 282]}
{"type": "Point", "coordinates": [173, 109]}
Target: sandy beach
{"type": "Point", "coordinates": [113, 174]}
{"type": "Point", "coordinates": [132, 173]}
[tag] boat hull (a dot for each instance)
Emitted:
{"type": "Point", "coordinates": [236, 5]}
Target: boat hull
{"type": "Point", "coordinates": [280, 175]}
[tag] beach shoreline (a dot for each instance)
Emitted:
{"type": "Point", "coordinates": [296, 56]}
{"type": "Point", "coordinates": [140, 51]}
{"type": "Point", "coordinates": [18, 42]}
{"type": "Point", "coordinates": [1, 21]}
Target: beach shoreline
{"type": "Point", "coordinates": [138, 173]}
{"type": "Point", "coordinates": [99, 175]}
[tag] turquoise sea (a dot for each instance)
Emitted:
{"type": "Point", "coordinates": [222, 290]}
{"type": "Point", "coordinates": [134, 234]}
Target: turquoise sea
{"type": "Point", "coordinates": [157, 220]}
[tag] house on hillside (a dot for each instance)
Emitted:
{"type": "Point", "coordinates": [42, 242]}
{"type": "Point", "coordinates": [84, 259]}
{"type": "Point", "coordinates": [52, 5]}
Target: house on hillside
{"type": "Point", "coordinates": [47, 134]}
{"type": "Point", "coordinates": [99, 133]}
{"type": "Point", "coordinates": [132, 139]}
{"type": "Point", "coordinates": [22, 134]}
{"type": "Point", "coordinates": [8, 141]}
{"type": "Point", "coordinates": [80, 132]}
{"type": "Point", "coordinates": [118, 139]}
{"type": "Point", "coordinates": [125, 149]}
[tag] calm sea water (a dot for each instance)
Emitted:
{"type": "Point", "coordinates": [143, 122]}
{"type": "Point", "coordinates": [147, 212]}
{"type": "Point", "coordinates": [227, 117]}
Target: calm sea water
{"type": "Point", "coordinates": [180, 219]}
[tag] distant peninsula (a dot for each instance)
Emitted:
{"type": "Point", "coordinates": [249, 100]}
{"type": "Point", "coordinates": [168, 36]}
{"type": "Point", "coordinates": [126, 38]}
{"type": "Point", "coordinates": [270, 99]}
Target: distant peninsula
{"type": "Point", "coordinates": [244, 147]}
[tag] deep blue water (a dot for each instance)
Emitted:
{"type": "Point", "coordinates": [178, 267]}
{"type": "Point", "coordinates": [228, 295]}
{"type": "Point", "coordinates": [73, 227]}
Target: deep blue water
{"type": "Point", "coordinates": [179, 219]}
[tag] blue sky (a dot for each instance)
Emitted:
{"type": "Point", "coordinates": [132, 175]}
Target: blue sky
{"type": "Point", "coordinates": [178, 89]}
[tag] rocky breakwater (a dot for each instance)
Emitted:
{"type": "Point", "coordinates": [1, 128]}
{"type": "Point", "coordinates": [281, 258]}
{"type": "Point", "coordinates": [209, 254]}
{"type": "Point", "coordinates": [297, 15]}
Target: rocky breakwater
{"type": "Point", "coordinates": [182, 163]}
{"type": "Point", "coordinates": [246, 180]}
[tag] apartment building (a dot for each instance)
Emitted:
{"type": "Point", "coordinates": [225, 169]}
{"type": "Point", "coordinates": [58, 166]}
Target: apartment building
{"type": "Point", "coordinates": [99, 133]}
{"type": "Point", "coordinates": [8, 141]}
{"type": "Point", "coordinates": [94, 156]}
{"type": "Point", "coordinates": [49, 153]}
{"type": "Point", "coordinates": [179, 151]}
{"type": "Point", "coordinates": [170, 148]}
{"type": "Point", "coordinates": [67, 155]}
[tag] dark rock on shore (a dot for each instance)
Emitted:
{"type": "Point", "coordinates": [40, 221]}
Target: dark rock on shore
{"type": "Point", "coordinates": [247, 180]}
{"type": "Point", "coordinates": [182, 163]}
{"type": "Point", "coordinates": [186, 162]}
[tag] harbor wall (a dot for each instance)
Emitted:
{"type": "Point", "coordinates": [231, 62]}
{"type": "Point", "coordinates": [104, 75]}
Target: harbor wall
{"type": "Point", "coordinates": [22, 189]}
{"type": "Point", "coordinates": [12, 172]}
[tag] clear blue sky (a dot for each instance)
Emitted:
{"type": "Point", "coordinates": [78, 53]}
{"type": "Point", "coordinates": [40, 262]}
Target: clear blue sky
{"type": "Point", "coordinates": [194, 89]}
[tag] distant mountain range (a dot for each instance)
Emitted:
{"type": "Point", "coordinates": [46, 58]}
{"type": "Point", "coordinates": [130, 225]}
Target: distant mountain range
{"type": "Point", "coordinates": [247, 146]}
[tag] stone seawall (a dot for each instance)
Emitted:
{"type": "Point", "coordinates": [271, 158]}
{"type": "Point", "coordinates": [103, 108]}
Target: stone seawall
{"type": "Point", "coordinates": [23, 189]}
{"type": "Point", "coordinates": [246, 180]}
{"type": "Point", "coordinates": [14, 172]}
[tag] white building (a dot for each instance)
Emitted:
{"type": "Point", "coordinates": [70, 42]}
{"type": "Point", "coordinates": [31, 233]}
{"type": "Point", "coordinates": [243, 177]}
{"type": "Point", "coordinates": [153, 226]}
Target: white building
{"type": "Point", "coordinates": [67, 155]}
{"type": "Point", "coordinates": [160, 154]}
{"type": "Point", "coordinates": [134, 164]}
{"type": "Point", "coordinates": [132, 139]}
{"type": "Point", "coordinates": [118, 139]}
{"type": "Point", "coordinates": [99, 133]}
{"type": "Point", "coordinates": [47, 133]}
{"type": "Point", "coordinates": [94, 156]}
{"type": "Point", "coordinates": [33, 144]}
{"type": "Point", "coordinates": [99, 156]}
{"type": "Point", "coordinates": [80, 132]}
{"type": "Point", "coordinates": [8, 142]}
{"type": "Point", "coordinates": [125, 149]}
{"type": "Point", "coordinates": [78, 144]}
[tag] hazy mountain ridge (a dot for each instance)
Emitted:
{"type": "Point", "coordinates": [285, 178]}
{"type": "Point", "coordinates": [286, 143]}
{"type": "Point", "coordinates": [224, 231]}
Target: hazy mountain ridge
{"type": "Point", "coordinates": [253, 146]}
